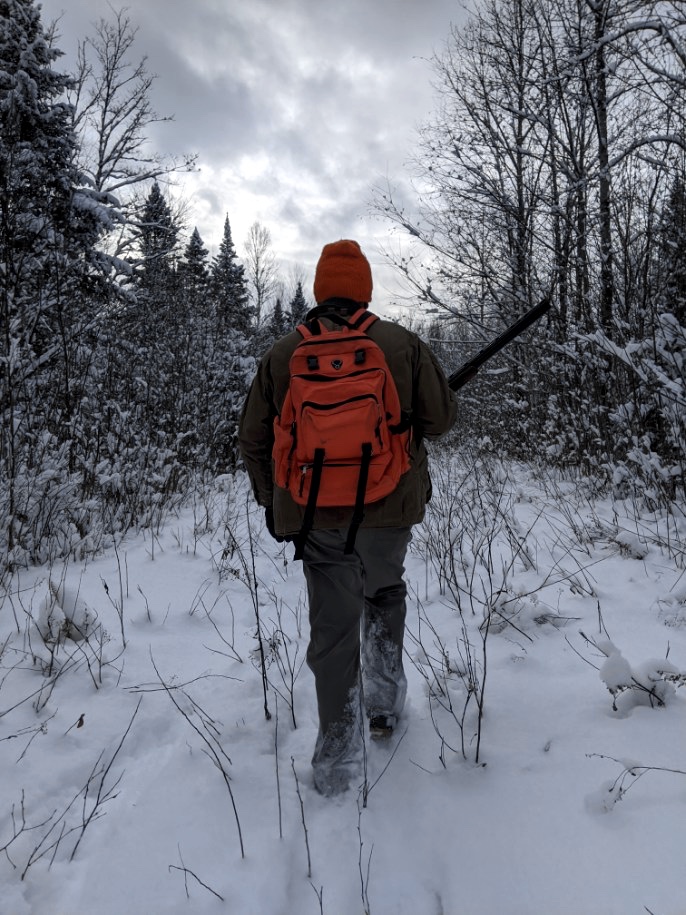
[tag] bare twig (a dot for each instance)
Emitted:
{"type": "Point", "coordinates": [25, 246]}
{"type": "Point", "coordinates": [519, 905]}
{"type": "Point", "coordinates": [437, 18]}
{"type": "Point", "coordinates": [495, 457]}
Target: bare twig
{"type": "Point", "coordinates": [383, 771]}
{"type": "Point", "coordinates": [102, 795]}
{"type": "Point", "coordinates": [619, 788]}
{"type": "Point", "coordinates": [276, 763]}
{"type": "Point", "coordinates": [319, 893]}
{"type": "Point", "coordinates": [189, 873]}
{"type": "Point", "coordinates": [215, 751]}
{"type": "Point", "coordinates": [365, 874]}
{"type": "Point", "coordinates": [302, 817]}
{"type": "Point", "coordinates": [250, 578]}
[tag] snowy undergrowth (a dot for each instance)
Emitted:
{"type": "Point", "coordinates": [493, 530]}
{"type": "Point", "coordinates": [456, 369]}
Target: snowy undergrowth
{"type": "Point", "coordinates": [155, 740]}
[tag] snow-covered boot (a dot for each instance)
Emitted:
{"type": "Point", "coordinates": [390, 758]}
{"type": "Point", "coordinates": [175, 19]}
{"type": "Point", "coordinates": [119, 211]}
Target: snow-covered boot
{"type": "Point", "coordinates": [381, 726]}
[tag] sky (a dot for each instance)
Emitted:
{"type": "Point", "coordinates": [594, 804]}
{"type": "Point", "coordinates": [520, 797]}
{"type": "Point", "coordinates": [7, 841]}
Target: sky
{"type": "Point", "coordinates": [296, 109]}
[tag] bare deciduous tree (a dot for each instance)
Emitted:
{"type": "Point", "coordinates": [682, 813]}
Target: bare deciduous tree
{"type": "Point", "coordinates": [113, 111]}
{"type": "Point", "coordinates": [556, 143]}
{"type": "Point", "coordinates": [261, 267]}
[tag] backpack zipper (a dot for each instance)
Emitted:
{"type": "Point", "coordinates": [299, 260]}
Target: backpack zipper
{"type": "Point", "coordinates": [332, 406]}
{"type": "Point", "coordinates": [303, 473]}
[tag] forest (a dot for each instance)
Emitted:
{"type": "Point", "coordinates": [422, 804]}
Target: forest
{"type": "Point", "coordinates": [156, 716]}
{"type": "Point", "coordinates": [126, 349]}
{"type": "Point", "coordinates": [553, 166]}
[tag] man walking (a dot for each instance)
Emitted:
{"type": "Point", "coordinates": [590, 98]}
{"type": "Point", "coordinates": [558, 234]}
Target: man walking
{"type": "Point", "coordinates": [354, 576]}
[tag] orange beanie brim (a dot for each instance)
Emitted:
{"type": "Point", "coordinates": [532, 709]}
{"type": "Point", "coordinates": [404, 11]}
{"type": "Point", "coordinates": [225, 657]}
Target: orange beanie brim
{"type": "Point", "coordinates": [343, 272]}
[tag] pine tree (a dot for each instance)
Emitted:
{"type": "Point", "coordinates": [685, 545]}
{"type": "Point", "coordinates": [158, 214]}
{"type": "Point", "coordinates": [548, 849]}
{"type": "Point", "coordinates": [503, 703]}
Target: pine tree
{"type": "Point", "coordinates": [229, 286]}
{"type": "Point", "coordinates": [37, 172]}
{"type": "Point", "coordinates": [158, 237]}
{"type": "Point", "coordinates": [195, 258]}
{"type": "Point", "coordinates": [194, 271]}
{"type": "Point", "coordinates": [47, 302]}
{"type": "Point", "coordinates": [661, 353]}
{"type": "Point", "coordinates": [298, 307]}
{"type": "Point", "coordinates": [672, 254]}
{"type": "Point", "coordinates": [278, 323]}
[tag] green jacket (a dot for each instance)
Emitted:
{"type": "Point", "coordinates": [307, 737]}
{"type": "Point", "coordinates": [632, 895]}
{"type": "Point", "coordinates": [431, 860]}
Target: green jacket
{"type": "Point", "coordinates": [424, 394]}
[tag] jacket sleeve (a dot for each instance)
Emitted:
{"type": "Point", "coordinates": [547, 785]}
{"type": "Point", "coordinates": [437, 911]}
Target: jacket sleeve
{"type": "Point", "coordinates": [256, 433]}
{"type": "Point", "coordinates": [434, 407]}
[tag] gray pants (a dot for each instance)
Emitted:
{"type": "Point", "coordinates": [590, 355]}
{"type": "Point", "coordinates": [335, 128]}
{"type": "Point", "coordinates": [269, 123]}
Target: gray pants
{"type": "Point", "coordinates": [357, 614]}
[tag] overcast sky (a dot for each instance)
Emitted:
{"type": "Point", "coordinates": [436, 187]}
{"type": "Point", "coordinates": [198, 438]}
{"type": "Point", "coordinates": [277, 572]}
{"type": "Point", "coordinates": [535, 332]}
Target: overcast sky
{"type": "Point", "coordinates": [296, 108]}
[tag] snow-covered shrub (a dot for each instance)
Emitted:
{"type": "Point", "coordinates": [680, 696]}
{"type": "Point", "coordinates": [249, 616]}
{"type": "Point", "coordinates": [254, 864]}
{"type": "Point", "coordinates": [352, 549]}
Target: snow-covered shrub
{"type": "Point", "coordinates": [673, 608]}
{"type": "Point", "coordinates": [63, 614]}
{"type": "Point", "coordinates": [612, 791]}
{"type": "Point", "coordinates": [650, 423]}
{"type": "Point", "coordinates": [473, 545]}
{"type": "Point", "coordinates": [652, 683]}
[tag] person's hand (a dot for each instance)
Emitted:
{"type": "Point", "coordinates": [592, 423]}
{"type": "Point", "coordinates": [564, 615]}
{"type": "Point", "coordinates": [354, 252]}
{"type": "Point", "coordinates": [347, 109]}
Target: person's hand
{"type": "Point", "coordinates": [269, 519]}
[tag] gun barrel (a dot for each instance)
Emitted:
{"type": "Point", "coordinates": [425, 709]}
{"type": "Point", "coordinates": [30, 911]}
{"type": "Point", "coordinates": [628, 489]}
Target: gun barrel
{"type": "Point", "coordinates": [469, 370]}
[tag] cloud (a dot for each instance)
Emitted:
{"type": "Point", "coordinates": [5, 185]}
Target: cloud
{"type": "Point", "coordinates": [295, 109]}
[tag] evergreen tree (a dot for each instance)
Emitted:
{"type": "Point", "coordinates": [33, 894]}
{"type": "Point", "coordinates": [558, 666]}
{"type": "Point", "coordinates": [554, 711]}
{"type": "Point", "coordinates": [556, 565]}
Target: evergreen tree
{"type": "Point", "coordinates": [47, 306]}
{"type": "Point", "coordinates": [298, 307]}
{"type": "Point", "coordinates": [274, 326]}
{"type": "Point", "coordinates": [40, 232]}
{"type": "Point", "coordinates": [195, 258]}
{"type": "Point", "coordinates": [148, 368]}
{"type": "Point", "coordinates": [672, 254]}
{"type": "Point", "coordinates": [229, 287]}
{"type": "Point", "coordinates": [194, 271]}
{"type": "Point", "coordinates": [278, 321]}
{"type": "Point", "coordinates": [158, 237]}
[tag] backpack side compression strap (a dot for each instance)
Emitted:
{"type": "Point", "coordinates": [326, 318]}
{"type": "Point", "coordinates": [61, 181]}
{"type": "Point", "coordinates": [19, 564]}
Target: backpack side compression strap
{"type": "Point", "coordinates": [308, 517]}
{"type": "Point", "coordinates": [358, 511]}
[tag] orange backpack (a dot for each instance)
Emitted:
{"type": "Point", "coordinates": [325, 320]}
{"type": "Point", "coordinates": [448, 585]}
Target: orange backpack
{"type": "Point", "coordinates": [341, 439]}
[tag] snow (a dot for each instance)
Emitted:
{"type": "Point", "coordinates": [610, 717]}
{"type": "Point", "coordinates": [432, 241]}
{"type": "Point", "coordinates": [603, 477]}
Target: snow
{"type": "Point", "coordinates": [159, 685]}
{"type": "Point", "coordinates": [616, 671]}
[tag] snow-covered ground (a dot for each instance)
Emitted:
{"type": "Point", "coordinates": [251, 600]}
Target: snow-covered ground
{"type": "Point", "coordinates": [140, 774]}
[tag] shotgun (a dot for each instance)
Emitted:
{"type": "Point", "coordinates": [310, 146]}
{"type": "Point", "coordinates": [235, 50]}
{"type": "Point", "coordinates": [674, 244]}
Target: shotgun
{"type": "Point", "coordinates": [469, 370]}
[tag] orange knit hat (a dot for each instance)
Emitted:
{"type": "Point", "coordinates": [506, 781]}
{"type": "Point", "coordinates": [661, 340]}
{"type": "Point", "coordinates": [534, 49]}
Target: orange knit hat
{"type": "Point", "coordinates": [343, 272]}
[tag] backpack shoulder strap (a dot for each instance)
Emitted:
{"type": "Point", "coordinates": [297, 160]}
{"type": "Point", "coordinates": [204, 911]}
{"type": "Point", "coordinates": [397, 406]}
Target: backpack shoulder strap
{"type": "Point", "coordinates": [310, 329]}
{"type": "Point", "coordinates": [363, 319]}
{"type": "Point", "coordinates": [360, 320]}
